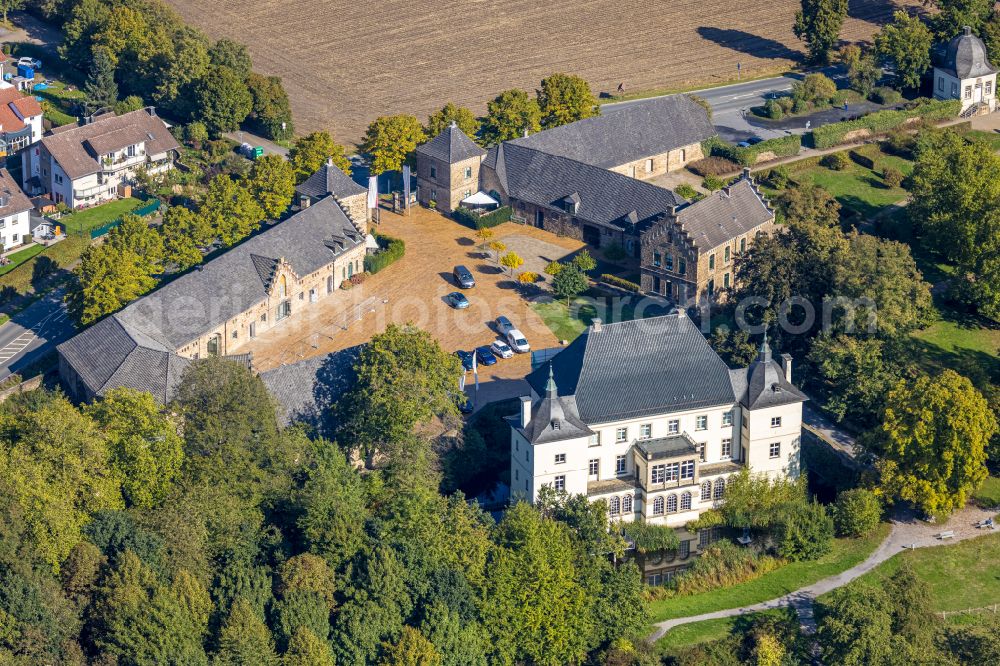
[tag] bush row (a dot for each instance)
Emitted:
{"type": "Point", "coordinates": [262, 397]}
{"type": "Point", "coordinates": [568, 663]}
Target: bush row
{"type": "Point", "coordinates": [784, 146]}
{"type": "Point", "coordinates": [883, 122]}
{"type": "Point", "coordinates": [724, 564]}
{"type": "Point", "coordinates": [492, 219]}
{"type": "Point", "coordinates": [390, 251]}
{"type": "Point", "coordinates": [622, 283]}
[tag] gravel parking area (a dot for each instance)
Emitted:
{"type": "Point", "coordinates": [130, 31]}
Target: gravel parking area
{"type": "Point", "coordinates": [413, 290]}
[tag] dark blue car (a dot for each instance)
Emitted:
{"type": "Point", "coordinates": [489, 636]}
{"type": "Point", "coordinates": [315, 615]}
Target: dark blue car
{"type": "Point", "coordinates": [457, 300]}
{"type": "Point", "coordinates": [466, 359]}
{"type": "Point", "coordinates": [485, 355]}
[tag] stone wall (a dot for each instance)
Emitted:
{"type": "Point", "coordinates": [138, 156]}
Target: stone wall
{"type": "Point", "coordinates": [657, 165]}
{"type": "Point", "coordinates": [449, 184]}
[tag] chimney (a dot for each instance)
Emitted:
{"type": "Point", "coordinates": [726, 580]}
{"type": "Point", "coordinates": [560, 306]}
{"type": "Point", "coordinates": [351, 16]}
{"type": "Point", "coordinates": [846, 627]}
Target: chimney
{"type": "Point", "coordinates": [454, 124]}
{"type": "Point", "coordinates": [746, 173]}
{"type": "Point", "coordinates": [786, 366]}
{"type": "Point", "coordinates": [329, 161]}
{"type": "Point", "coordinates": [595, 325]}
{"type": "Point", "coordinates": [525, 410]}
{"type": "Point", "coordinates": [525, 132]}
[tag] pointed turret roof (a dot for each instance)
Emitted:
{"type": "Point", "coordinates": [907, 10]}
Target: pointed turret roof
{"type": "Point", "coordinates": [451, 146]}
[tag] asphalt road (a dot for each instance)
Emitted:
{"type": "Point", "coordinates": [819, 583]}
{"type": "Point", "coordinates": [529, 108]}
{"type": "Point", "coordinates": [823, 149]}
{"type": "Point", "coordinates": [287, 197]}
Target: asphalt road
{"type": "Point", "coordinates": [33, 333]}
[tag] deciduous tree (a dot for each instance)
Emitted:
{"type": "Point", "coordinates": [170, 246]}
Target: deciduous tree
{"type": "Point", "coordinates": [305, 649]}
{"type": "Point", "coordinates": [569, 282]}
{"type": "Point", "coordinates": [461, 116]}
{"type": "Point", "coordinates": [222, 100]}
{"type": "Point", "coordinates": [862, 70]}
{"type": "Point", "coordinates": [391, 140]}
{"type": "Point", "coordinates": [107, 279]}
{"type": "Point", "coordinates": [230, 210]}
{"type": "Point", "coordinates": [272, 184]}
{"type": "Point", "coordinates": [818, 25]}
{"type": "Point", "coordinates": [509, 115]}
{"type": "Point", "coordinates": [905, 45]}
{"type": "Point", "coordinates": [412, 649]}
{"type": "Point", "coordinates": [227, 53]}
{"type": "Point", "coordinates": [511, 261]}
{"type": "Point", "coordinates": [310, 152]}
{"type": "Point", "coordinates": [565, 98]}
{"type": "Point", "coordinates": [271, 112]}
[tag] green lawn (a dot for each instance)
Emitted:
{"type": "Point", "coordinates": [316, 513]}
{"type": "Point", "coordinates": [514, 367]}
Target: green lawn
{"type": "Point", "coordinates": [956, 577]}
{"type": "Point", "coordinates": [957, 335]}
{"type": "Point", "coordinates": [988, 495]}
{"type": "Point", "coordinates": [992, 138]}
{"type": "Point", "coordinates": [91, 218]}
{"type": "Point", "coordinates": [845, 554]}
{"type": "Point", "coordinates": [569, 321]}
{"type": "Point", "coordinates": [19, 257]}
{"type": "Point", "coordinates": [60, 102]}
{"type": "Point", "coordinates": [857, 188]}
{"type": "Point", "coordinates": [701, 632]}
{"type": "Point", "coordinates": [63, 253]}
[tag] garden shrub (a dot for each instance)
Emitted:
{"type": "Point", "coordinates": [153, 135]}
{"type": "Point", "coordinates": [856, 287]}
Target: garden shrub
{"type": "Point", "coordinates": [862, 159]}
{"type": "Point", "coordinates": [553, 267]}
{"type": "Point", "coordinates": [786, 104]}
{"type": "Point", "coordinates": [391, 250]}
{"type": "Point", "coordinates": [628, 285]}
{"type": "Point", "coordinates": [615, 252]}
{"type": "Point", "coordinates": [857, 513]}
{"type": "Point", "coordinates": [713, 166]}
{"type": "Point", "coordinates": [776, 178]}
{"type": "Point", "coordinates": [901, 143]}
{"type": "Point", "coordinates": [886, 95]}
{"type": "Point", "coordinates": [800, 106]}
{"type": "Point", "coordinates": [814, 89]}
{"type": "Point", "coordinates": [773, 110]}
{"type": "Point", "coordinates": [804, 531]}
{"type": "Point", "coordinates": [686, 191]}
{"type": "Point", "coordinates": [723, 564]}
{"type": "Point", "coordinates": [527, 277]}
{"type": "Point", "coordinates": [748, 156]}
{"type": "Point", "coordinates": [486, 221]}
{"type": "Point", "coordinates": [883, 122]}
{"type": "Point", "coordinates": [835, 161]}
{"type": "Point", "coordinates": [892, 177]}
{"type": "Point", "coordinates": [713, 183]}
{"type": "Point", "coordinates": [650, 538]}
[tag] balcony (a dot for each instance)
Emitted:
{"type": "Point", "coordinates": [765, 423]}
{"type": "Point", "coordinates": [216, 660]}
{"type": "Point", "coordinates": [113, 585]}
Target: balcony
{"type": "Point", "coordinates": [122, 162]}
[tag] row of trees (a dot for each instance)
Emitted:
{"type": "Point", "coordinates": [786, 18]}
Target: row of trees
{"type": "Point", "coordinates": [142, 50]}
{"type": "Point", "coordinates": [205, 532]}
{"type": "Point", "coordinates": [134, 255]}
{"type": "Point", "coordinates": [560, 99]}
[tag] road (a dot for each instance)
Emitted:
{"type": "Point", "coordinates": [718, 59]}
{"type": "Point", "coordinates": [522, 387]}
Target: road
{"type": "Point", "coordinates": [33, 332]}
{"type": "Point", "coordinates": [270, 148]}
{"type": "Point", "coordinates": [730, 103]}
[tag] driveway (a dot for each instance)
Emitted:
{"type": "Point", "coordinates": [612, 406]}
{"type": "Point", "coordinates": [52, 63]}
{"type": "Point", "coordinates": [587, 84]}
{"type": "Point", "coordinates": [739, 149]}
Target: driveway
{"type": "Point", "coordinates": [413, 290]}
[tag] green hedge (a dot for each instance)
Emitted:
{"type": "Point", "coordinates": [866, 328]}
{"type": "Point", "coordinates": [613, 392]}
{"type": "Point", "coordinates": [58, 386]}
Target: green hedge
{"type": "Point", "coordinates": [882, 122]}
{"type": "Point", "coordinates": [784, 146]}
{"type": "Point", "coordinates": [390, 250]}
{"type": "Point", "coordinates": [491, 219]}
{"type": "Point", "coordinates": [622, 283]}
{"type": "Point", "coordinates": [863, 160]}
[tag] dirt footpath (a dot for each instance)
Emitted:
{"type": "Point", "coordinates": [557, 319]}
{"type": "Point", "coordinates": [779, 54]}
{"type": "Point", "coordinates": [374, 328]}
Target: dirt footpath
{"type": "Point", "coordinates": [413, 290]}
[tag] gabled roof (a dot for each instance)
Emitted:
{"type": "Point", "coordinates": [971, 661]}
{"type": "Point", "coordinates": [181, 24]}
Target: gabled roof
{"type": "Point", "coordinates": [197, 302]}
{"type": "Point", "coordinates": [965, 57]}
{"type": "Point", "coordinates": [725, 214]}
{"type": "Point", "coordinates": [605, 197]}
{"type": "Point", "coordinates": [12, 199]}
{"type": "Point", "coordinates": [306, 390]}
{"type": "Point", "coordinates": [639, 368]}
{"type": "Point", "coordinates": [451, 146]}
{"type": "Point", "coordinates": [15, 108]}
{"type": "Point", "coordinates": [329, 179]}
{"type": "Point", "coordinates": [78, 149]}
{"type": "Point", "coordinates": [631, 133]}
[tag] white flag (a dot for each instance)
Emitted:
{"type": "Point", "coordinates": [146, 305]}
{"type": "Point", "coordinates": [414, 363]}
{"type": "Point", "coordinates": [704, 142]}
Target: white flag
{"type": "Point", "coordinates": [406, 185]}
{"type": "Point", "coordinates": [461, 382]}
{"type": "Point", "coordinates": [373, 191]}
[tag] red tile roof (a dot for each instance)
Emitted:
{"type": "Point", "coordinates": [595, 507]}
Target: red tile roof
{"type": "Point", "coordinates": [13, 107]}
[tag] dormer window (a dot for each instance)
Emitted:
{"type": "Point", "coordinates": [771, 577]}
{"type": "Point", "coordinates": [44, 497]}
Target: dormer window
{"type": "Point", "coordinates": [555, 424]}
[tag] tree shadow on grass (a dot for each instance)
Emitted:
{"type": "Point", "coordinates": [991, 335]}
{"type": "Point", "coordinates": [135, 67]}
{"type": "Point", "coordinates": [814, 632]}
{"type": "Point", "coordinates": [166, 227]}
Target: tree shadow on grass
{"type": "Point", "coordinates": [750, 44]}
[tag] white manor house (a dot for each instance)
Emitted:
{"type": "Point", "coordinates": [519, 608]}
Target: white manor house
{"type": "Point", "coordinates": [646, 416]}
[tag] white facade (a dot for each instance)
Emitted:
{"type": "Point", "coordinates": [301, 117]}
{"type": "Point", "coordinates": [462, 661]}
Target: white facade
{"type": "Point", "coordinates": [15, 230]}
{"type": "Point", "coordinates": [963, 72]}
{"type": "Point", "coordinates": [971, 91]}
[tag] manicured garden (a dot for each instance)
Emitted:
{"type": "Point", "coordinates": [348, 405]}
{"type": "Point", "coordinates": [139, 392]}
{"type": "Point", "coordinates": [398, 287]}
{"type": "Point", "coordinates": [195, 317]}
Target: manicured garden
{"type": "Point", "coordinates": [83, 221]}
{"type": "Point", "coordinates": [702, 632]}
{"type": "Point", "coordinates": [569, 320]}
{"type": "Point", "coordinates": [956, 577]}
{"type": "Point", "coordinates": [845, 554]}
{"type": "Point", "coordinates": [19, 257]}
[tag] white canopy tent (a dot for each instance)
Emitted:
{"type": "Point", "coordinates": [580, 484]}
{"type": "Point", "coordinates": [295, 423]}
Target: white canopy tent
{"type": "Point", "coordinates": [480, 200]}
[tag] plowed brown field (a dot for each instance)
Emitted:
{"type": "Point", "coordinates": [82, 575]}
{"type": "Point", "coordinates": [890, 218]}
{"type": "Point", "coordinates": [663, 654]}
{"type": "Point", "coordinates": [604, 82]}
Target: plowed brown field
{"type": "Point", "coordinates": [347, 62]}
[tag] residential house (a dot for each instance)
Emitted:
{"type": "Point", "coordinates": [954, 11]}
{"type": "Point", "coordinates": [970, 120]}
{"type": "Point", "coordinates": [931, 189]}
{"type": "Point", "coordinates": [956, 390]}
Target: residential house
{"type": "Point", "coordinates": [448, 169]}
{"type": "Point", "coordinates": [15, 213]}
{"type": "Point", "coordinates": [330, 181]}
{"type": "Point", "coordinates": [86, 165]}
{"type": "Point", "coordinates": [216, 308]}
{"type": "Point", "coordinates": [571, 198]}
{"type": "Point", "coordinates": [20, 120]}
{"type": "Point", "coordinates": [642, 139]}
{"type": "Point", "coordinates": [645, 416]}
{"type": "Point", "coordinates": [689, 255]}
{"type": "Point", "coordinates": [963, 71]}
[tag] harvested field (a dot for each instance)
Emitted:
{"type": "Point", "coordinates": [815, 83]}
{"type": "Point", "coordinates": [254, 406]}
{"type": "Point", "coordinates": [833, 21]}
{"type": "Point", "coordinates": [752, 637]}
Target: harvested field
{"type": "Point", "coordinates": [345, 63]}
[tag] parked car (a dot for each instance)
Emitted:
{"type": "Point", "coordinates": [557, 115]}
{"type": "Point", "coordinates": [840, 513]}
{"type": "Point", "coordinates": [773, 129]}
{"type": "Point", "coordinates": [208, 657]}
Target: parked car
{"type": "Point", "coordinates": [463, 276]}
{"type": "Point", "coordinates": [517, 341]}
{"type": "Point", "coordinates": [457, 300]}
{"type": "Point", "coordinates": [743, 144]}
{"type": "Point", "coordinates": [485, 355]}
{"type": "Point", "coordinates": [466, 358]}
{"type": "Point", "coordinates": [501, 349]}
{"type": "Point", "coordinates": [503, 325]}
{"type": "Point", "coordinates": [754, 140]}
{"type": "Point", "coordinates": [466, 407]}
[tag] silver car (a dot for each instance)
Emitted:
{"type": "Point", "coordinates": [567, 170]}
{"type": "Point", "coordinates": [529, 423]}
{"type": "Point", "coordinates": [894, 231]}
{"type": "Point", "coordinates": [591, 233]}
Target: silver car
{"type": "Point", "coordinates": [501, 349]}
{"type": "Point", "coordinates": [504, 325]}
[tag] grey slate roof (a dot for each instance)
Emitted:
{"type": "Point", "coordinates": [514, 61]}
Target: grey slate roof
{"type": "Point", "coordinates": [555, 418]}
{"type": "Point", "coordinates": [12, 199]}
{"type": "Point", "coordinates": [327, 180]}
{"type": "Point", "coordinates": [965, 57]}
{"type": "Point", "coordinates": [725, 214]}
{"type": "Point", "coordinates": [605, 198]}
{"type": "Point", "coordinates": [765, 384]}
{"type": "Point", "coordinates": [306, 390]}
{"type": "Point", "coordinates": [638, 368]}
{"type": "Point", "coordinates": [450, 146]}
{"type": "Point", "coordinates": [135, 346]}
{"type": "Point", "coordinates": [667, 447]}
{"type": "Point", "coordinates": [639, 130]}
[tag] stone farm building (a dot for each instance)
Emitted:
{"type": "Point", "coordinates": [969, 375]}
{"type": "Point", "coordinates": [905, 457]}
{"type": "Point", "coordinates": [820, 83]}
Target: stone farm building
{"type": "Point", "coordinates": [215, 308]}
{"type": "Point", "coordinates": [448, 169]}
{"type": "Point", "coordinates": [645, 416]}
{"type": "Point", "coordinates": [86, 165]}
{"type": "Point", "coordinates": [331, 181]}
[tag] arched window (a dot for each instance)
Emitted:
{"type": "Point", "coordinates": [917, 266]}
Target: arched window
{"type": "Point", "coordinates": [627, 504]}
{"type": "Point", "coordinates": [685, 501]}
{"type": "Point", "coordinates": [658, 506]}
{"type": "Point", "coordinates": [614, 506]}
{"type": "Point", "coordinates": [720, 488]}
{"type": "Point", "coordinates": [706, 490]}
{"type": "Point", "coordinates": [671, 503]}
{"type": "Point", "coordinates": [282, 286]}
